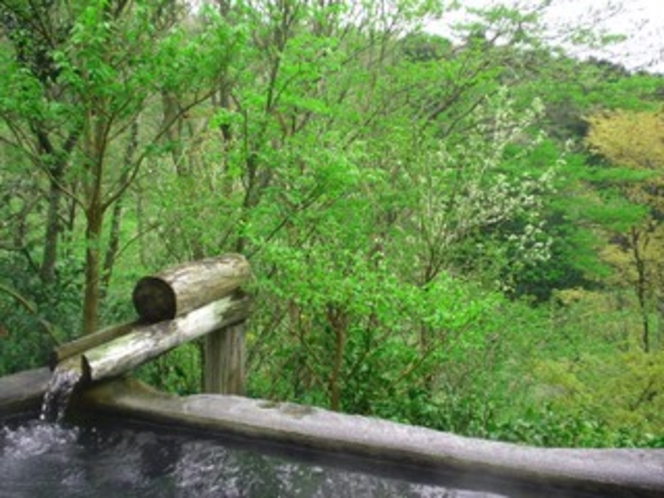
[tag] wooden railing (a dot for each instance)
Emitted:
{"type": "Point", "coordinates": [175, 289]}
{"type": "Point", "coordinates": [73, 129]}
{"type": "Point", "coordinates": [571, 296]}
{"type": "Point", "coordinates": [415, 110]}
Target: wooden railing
{"type": "Point", "coordinates": [177, 305]}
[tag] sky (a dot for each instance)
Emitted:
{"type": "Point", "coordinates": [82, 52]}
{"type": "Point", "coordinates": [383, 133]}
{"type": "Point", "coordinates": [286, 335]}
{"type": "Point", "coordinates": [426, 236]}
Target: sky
{"type": "Point", "coordinates": [642, 21]}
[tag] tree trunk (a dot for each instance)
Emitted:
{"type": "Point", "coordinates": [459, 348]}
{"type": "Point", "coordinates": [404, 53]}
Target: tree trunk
{"type": "Point", "coordinates": [95, 219]}
{"type": "Point", "coordinates": [47, 269]}
{"type": "Point", "coordinates": [113, 245]}
{"type": "Point", "coordinates": [338, 321]}
{"type": "Point", "coordinates": [641, 287]}
{"type": "Point", "coordinates": [116, 214]}
{"type": "Point", "coordinates": [56, 163]}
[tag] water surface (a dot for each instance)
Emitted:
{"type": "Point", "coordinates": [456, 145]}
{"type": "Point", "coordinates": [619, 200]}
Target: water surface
{"type": "Point", "coordinates": [40, 458]}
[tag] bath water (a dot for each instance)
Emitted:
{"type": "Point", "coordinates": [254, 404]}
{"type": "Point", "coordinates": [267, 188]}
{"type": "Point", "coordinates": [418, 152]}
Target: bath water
{"type": "Point", "coordinates": [44, 459]}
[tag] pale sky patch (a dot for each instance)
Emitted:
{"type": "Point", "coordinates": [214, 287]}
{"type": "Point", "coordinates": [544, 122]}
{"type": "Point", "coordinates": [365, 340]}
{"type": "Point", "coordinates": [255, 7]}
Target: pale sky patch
{"type": "Point", "coordinates": [641, 21]}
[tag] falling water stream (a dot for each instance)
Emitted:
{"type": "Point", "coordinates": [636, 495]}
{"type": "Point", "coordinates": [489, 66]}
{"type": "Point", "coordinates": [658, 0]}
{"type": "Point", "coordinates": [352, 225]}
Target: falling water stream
{"type": "Point", "coordinates": [61, 386]}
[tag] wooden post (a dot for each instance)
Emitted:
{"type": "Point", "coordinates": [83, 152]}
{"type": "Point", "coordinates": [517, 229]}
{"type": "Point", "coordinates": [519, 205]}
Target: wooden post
{"type": "Point", "coordinates": [224, 361]}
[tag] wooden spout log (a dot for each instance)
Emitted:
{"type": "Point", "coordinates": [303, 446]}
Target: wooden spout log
{"type": "Point", "coordinates": [146, 342]}
{"type": "Point", "coordinates": [189, 286]}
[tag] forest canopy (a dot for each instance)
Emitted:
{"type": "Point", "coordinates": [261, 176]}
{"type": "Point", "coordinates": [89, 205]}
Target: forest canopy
{"type": "Point", "coordinates": [461, 231]}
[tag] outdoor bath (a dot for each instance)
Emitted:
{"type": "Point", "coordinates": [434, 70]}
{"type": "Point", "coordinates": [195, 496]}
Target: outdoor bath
{"type": "Point", "coordinates": [132, 439]}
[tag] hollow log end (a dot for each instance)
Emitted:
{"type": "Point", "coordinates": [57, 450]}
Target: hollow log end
{"type": "Point", "coordinates": [154, 300]}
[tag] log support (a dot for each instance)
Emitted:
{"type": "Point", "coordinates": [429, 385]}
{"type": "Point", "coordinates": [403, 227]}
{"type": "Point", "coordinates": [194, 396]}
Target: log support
{"type": "Point", "coordinates": [224, 361]}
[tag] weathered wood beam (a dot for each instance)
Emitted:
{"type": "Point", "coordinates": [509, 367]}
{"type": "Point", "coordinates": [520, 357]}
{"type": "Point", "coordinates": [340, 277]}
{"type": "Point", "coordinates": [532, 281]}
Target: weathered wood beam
{"type": "Point", "coordinates": [188, 286]}
{"type": "Point", "coordinates": [86, 342]}
{"type": "Point", "coordinates": [149, 341]}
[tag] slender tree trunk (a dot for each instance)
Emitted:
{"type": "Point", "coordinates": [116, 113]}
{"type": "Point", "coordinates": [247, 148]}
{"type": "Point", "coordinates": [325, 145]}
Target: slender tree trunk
{"type": "Point", "coordinates": [116, 214]}
{"type": "Point", "coordinates": [47, 269]}
{"type": "Point", "coordinates": [143, 250]}
{"type": "Point", "coordinates": [57, 163]}
{"type": "Point", "coordinates": [113, 245]}
{"type": "Point", "coordinates": [92, 270]}
{"type": "Point", "coordinates": [660, 323]}
{"type": "Point", "coordinates": [641, 288]}
{"type": "Point", "coordinates": [173, 124]}
{"type": "Point", "coordinates": [338, 321]}
{"type": "Point", "coordinates": [96, 142]}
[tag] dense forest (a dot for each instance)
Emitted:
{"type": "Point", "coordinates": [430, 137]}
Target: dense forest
{"type": "Point", "coordinates": [464, 232]}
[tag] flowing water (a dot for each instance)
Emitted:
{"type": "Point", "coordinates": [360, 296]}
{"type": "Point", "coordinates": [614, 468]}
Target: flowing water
{"type": "Point", "coordinates": [39, 458]}
{"type": "Point", "coordinates": [60, 388]}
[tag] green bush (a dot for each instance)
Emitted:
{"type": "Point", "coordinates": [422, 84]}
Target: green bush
{"type": "Point", "coordinates": [178, 371]}
{"type": "Point", "coordinates": [35, 316]}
